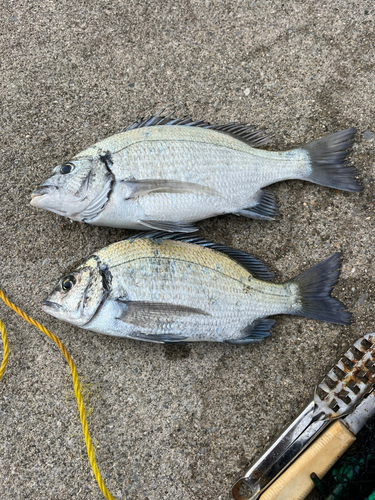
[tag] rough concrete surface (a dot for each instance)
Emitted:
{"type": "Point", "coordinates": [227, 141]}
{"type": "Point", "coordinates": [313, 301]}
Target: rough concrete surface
{"type": "Point", "coordinates": [173, 422]}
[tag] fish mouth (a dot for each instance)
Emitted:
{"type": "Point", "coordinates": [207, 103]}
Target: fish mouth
{"type": "Point", "coordinates": [43, 190]}
{"type": "Point", "coordinates": [47, 304]}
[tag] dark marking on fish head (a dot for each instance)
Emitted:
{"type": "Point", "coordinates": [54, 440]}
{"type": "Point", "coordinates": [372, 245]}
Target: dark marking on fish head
{"type": "Point", "coordinates": [106, 277]}
{"type": "Point", "coordinates": [106, 159]}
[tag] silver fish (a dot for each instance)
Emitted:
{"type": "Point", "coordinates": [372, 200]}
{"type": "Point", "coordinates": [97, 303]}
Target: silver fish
{"type": "Point", "coordinates": [164, 287]}
{"type": "Point", "coordinates": [166, 174]}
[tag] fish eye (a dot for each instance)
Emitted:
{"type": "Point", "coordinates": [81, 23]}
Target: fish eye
{"type": "Point", "coordinates": [66, 168]}
{"type": "Point", "coordinates": [68, 283]}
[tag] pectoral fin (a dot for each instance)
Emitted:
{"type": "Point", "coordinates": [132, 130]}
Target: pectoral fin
{"type": "Point", "coordinates": [154, 314]}
{"type": "Point", "coordinates": [152, 186]}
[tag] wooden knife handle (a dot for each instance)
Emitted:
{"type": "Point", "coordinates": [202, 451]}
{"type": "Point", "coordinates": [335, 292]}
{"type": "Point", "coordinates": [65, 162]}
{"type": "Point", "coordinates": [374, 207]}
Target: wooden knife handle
{"type": "Point", "coordinates": [295, 483]}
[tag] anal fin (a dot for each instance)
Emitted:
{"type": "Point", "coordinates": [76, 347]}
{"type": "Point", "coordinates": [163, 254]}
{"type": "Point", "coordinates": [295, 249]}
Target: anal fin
{"type": "Point", "coordinates": [255, 332]}
{"type": "Point", "coordinates": [265, 209]}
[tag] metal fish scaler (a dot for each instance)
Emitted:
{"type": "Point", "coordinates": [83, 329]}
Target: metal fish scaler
{"type": "Point", "coordinates": [164, 287]}
{"type": "Point", "coordinates": [166, 174]}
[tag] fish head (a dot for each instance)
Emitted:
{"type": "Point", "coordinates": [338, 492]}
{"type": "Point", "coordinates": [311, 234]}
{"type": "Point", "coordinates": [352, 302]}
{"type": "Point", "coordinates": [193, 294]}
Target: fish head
{"type": "Point", "coordinates": [78, 295]}
{"type": "Point", "coordinates": [78, 189]}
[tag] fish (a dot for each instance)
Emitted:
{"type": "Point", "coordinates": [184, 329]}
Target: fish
{"type": "Point", "coordinates": [171, 287]}
{"type": "Point", "coordinates": [166, 174]}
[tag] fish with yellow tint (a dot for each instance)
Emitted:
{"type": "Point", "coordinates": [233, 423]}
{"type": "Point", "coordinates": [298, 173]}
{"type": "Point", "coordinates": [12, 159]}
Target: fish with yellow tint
{"type": "Point", "coordinates": [163, 287]}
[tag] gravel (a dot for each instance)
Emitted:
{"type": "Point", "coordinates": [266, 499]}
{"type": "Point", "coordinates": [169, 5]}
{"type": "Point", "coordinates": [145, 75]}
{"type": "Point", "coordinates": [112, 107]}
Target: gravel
{"type": "Point", "coordinates": [173, 422]}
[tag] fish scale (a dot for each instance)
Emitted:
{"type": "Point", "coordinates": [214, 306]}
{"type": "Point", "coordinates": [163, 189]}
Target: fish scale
{"type": "Point", "coordinates": [166, 174]}
{"type": "Point", "coordinates": [211, 163]}
{"type": "Point", "coordinates": [186, 277]}
{"type": "Point", "coordinates": [137, 249]}
{"type": "Point", "coordinates": [174, 288]}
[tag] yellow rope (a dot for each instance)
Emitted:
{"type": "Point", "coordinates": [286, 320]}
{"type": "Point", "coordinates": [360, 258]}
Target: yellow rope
{"type": "Point", "coordinates": [6, 348]}
{"type": "Point", "coordinates": [77, 390]}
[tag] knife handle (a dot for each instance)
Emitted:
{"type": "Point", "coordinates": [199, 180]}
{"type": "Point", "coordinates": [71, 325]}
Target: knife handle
{"type": "Point", "coordinates": [320, 456]}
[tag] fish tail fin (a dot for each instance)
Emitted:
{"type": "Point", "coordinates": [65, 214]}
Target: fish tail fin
{"type": "Point", "coordinates": [327, 161]}
{"type": "Point", "coordinates": [314, 292]}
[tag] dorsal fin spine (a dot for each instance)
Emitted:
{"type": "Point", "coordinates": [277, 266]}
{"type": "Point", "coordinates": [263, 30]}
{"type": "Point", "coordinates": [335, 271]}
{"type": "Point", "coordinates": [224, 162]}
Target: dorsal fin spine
{"type": "Point", "coordinates": [253, 265]}
{"type": "Point", "coordinates": [240, 131]}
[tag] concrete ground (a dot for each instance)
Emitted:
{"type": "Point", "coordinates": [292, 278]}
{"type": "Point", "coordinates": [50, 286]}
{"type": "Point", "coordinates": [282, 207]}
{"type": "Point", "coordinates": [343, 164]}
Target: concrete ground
{"type": "Point", "coordinates": [173, 422]}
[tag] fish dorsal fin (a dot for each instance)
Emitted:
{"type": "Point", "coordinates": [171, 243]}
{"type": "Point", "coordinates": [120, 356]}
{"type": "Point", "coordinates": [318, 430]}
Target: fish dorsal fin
{"type": "Point", "coordinates": [255, 266]}
{"type": "Point", "coordinates": [243, 132]}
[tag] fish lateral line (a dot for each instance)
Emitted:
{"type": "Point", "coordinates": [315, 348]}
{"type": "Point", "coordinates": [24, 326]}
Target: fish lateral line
{"type": "Point", "coordinates": [191, 142]}
{"type": "Point", "coordinates": [196, 264]}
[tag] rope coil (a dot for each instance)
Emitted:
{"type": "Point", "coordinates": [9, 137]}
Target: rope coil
{"type": "Point", "coordinates": [76, 384]}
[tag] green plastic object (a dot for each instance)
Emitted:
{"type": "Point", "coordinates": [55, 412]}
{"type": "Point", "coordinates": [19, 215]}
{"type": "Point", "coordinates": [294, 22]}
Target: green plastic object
{"type": "Point", "coordinates": [345, 474]}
